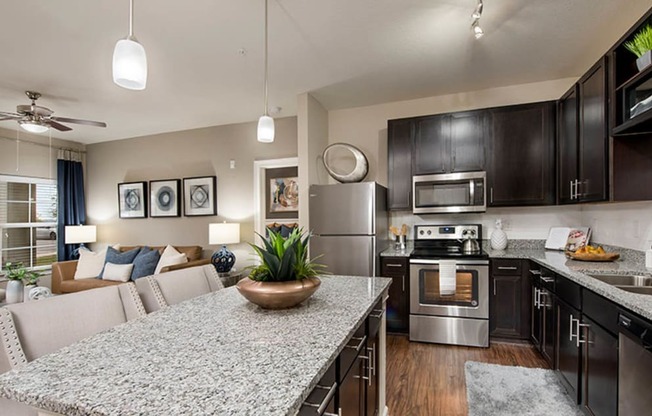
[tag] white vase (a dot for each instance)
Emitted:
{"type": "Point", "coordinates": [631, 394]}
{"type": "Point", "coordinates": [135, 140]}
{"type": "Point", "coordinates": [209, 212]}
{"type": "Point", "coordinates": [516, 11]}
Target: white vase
{"type": "Point", "coordinates": [498, 237]}
{"type": "Point", "coordinates": [26, 290]}
{"type": "Point", "coordinates": [14, 291]}
{"type": "Point", "coordinates": [644, 60]}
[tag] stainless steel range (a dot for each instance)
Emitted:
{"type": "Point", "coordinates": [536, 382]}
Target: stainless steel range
{"type": "Point", "coordinates": [449, 286]}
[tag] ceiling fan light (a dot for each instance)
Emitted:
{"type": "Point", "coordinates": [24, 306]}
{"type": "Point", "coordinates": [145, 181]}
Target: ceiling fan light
{"type": "Point", "coordinates": [266, 129]}
{"type": "Point", "coordinates": [130, 64]}
{"type": "Point", "coordinates": [33, 127]}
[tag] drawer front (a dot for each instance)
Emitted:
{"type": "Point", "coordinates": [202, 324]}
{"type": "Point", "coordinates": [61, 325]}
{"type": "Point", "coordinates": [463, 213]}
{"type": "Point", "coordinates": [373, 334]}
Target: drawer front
{"type": "Point", "coordinates": [600, 310]}
{"type": "Point", "coordinates": [506, 267]}
{"type": "Point", "coordinates": [394, 266]}
{"type": "Point", "coordinates": [569, 292]}
{"type": "Point", "coordinates": [548, 279]}
{"type": "Point", "coordinates": [375, 318]}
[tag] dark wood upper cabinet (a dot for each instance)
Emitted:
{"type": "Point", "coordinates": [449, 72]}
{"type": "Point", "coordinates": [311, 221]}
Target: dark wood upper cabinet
{"type": "Point", "coordinates": [431, 145]}
{"type": "Point", "coordinates": [521, 157]}
{"type": "Point", "coordinates": [593, 137]}
{"type": "Point", "coordinates": [567, 149]}
{"type": "Point", "coordinates": [450, 143]}
{"type": "Point", "coordinates": [400, 135]}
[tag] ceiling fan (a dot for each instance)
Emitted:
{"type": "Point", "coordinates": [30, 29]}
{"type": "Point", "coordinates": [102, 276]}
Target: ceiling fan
{"type": "Point", "coordinates": [36, 119]}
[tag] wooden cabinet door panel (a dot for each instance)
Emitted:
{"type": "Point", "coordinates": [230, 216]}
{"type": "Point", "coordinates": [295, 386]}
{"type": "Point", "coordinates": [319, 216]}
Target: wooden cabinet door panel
{"type": "Point", "coordinates": [593, 134]}
{"type": "Point", "coordinates": [521, 163]}
{"type": "Point", "coordinates": [549, 327]}
{"type": "Point", "coordinates": [400, 134]}
{"type": "Point", "coordinates": [568, 353]}
{"type": "Point", "coordinates": [398, 313]}
{"type": "Point", "coordinates": [351, 392]}
{"type": "Point", "coordinates": [505, 306]}
{"type": "Point", "coordinates": [568, 145]}
{"type": "Point", "coordinates": [600, 370]}
{"type": "Point", "coordinates": [431, 145]}
{"type": "Point", "coordinates": [467, 139]}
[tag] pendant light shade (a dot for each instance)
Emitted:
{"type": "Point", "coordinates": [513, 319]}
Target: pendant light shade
{"type": "Point", "coordinates": [265, 122]}
{"type": "Point", "coordinates": [265, 129]}
{"type": "Point", "coordinates": [130, 59]}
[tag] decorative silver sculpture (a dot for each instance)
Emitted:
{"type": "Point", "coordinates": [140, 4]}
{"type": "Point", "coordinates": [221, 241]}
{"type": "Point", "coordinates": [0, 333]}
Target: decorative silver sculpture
{"type": "Point", "coordinates": [39, 292]}
{"type": "Point", "coordinates": [360, 169]}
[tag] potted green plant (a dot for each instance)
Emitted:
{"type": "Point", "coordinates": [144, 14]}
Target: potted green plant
{"type": "Point", "coordinates": [20, 279]}
{"type": "Point", "coordinates": [641, 46]}
{"type": "Point", "coordinates": [285, 276]}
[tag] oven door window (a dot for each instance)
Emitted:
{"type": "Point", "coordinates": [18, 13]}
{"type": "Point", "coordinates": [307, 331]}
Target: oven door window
{"type": "Point", "coordinates": [443, 194]}
{"type": "Point", "coordinates": [465, 294]}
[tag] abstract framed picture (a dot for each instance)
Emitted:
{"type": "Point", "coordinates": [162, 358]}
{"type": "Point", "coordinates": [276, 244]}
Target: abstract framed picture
{"type": "Point", "coordinates": [165, 198]}
{"type": "Point", "coordinates": [199, 197]}
{"type": "Point", "coordinates": [132, 199]}
{"type": "Point", "coordinates": [282, 192]}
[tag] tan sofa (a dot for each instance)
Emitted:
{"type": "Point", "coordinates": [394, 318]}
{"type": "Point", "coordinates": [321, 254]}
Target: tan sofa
{"type": "Point", "coordinates": [63, 272]}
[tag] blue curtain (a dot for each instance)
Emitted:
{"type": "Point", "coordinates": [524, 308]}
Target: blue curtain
{"type": "Point", "coordinates": [71, 208]}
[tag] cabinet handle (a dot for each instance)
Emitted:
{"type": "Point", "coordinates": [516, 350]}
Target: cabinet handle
{"type": "Point", "coordinates": [507, 268]}
{"type": "Point", "coordinates": [535, 272]}
{"type": "Point", "coordinates": [357, 348]}
{"type": "Point", "coordinates": [537, 301]}
{"type": "Point", "coordinates": [378, 315]}
{"type": "Point", "coordinates": [393, 265]}
{"type": "Point", "coordinates": [321, 407]}
{"type": "Point", "coordinates": [571, 190]}
{"type": "Point", "coordinates": [491, 195]}
{"type": "Point", "coordinates": [494, 287]}
{"type": "Point", "coordinates": [581, 341]}
{"type": "Point", "coordinates": [548, 279]}
{"type": "Point", "coordinates": [403, 282]}
{"type": "Point", "coordinates": [571, 335]}
{"type": "Point", "coordinates": [577, 188]}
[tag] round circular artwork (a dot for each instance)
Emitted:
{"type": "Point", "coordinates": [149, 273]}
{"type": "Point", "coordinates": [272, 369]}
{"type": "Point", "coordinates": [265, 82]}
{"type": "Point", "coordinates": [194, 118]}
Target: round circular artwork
{"type": "Point", "coordinates": [132, 199]}
{"type": "Point", "coordinates": [345, 163]}
{"type": "Point", "coordinates": [165, 198]}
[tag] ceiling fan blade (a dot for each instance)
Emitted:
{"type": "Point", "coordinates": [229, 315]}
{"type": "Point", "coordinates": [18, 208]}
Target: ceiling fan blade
{"type": "Point", "coordinates": [6, 114]}
{"type": "Point", "coordinates": [58, 126]}
{"type": "Point", "coordinates": [3, 118]}
{"type": "Point", "coordinates": [76, 121]}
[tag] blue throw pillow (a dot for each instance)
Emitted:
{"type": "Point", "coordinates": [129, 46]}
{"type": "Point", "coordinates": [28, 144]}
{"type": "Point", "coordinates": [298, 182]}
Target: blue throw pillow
{"type": "Point", "coordinates": [145, 263]}
{"type": "Point", "coordinates": [115, 257]}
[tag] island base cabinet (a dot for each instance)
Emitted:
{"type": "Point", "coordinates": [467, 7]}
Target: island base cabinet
{"type": "Point", "coordinates": [321, 400]}
{"type": "Point", "coordinates": [600, 373]}
{"type": "Point", "coordinates": [351, 397]}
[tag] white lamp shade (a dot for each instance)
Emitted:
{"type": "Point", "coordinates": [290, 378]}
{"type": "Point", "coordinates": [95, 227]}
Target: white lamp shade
{"type": "Point", "coordinates": [266, 129]}
{"type": "Point", "coordinates": [130, 65]}
{"type": "Point", "coordinates": [77, 234]}
{"type": "Point", "coordinates": [33, 127]}
{"type": "Point", "coordinates": [223, 233]}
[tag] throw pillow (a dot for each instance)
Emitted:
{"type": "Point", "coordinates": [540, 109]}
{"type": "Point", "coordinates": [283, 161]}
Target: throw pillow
{"type": "Point", "coordinates": [170, 257]}
{"type": "Point", "coordinates": [145, 263]}
{"type": "Point", "coordinates": [115, 257]}
{"type": "Point", "coordinates": [117, 272]}
{"type": "Point", "coordinates": [90, 264]}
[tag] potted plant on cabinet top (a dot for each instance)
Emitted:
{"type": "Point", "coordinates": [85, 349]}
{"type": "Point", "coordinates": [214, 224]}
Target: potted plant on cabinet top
{"type": "Point", "coordinates": [18, 276]}
{"type": "Point", "coordinates": [286, 276]}
{"type": "Point", "coordinates": [641, 46]}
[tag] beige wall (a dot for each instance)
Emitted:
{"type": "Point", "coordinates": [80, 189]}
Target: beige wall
{"type": "Point", "coordinates": [34, 156]}
{"type": "Point", "coordinates": [366, 127]}
{"type": "Point", "coordinates": [199, 152]}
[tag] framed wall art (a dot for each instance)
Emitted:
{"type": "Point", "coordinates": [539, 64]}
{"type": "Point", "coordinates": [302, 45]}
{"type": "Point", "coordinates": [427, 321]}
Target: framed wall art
{"type": "Point", "coordinates": [132, 199]}
{"type": "Point", "coordinates": [165, 198]}
{"type": "Point", "coordinates": [199, 196]}
{"type": "Point", "coordinates": [282, 193]}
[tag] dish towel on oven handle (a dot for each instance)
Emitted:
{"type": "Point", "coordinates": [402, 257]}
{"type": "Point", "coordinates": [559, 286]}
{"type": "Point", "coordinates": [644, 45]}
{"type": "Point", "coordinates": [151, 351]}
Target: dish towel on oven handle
{"type": "Point", "coordinates": [447, 277]}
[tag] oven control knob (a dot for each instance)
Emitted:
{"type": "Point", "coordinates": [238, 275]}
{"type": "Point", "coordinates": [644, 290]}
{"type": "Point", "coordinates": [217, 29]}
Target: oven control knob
{"type": "Point", "coordinates": [421, 232]}
{"type": "Point", "coordinates": [429, 232]}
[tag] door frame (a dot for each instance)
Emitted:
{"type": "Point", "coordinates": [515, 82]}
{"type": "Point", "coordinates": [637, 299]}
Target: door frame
{"type": "Point", "coordinates": [260, 166]}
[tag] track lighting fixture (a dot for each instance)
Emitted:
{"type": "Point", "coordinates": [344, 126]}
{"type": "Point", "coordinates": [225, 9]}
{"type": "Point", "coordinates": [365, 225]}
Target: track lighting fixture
{"type": "Point", "coordinates": [475, 26]}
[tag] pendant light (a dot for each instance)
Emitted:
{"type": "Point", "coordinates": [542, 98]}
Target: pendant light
{"type": "Point", "coordinates": [130, 60]}
{"type": "Point", "coordinates": [266, 123]}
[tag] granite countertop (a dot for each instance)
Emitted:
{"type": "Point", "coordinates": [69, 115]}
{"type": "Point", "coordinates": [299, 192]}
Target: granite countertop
{"type": "Point", "coordinates": [392, 251]}
{"type": "Point", "coordinates": [215, 354]}
{"type": "Point", "coordinates": [577, 272]}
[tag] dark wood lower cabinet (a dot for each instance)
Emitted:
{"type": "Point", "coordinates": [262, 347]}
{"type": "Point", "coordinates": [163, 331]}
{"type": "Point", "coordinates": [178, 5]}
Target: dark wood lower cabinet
{"type": "Point", "coordinates": [600, 370]}
{"type": "Point", "coordinates": [568, 363]}
{"type": "Point", "coordinates": [510, 299]}
{"type": "Point", "coordinates": [398, 312]}
{"type": "Point", "coordinates": [372, 375]}
{"type": "Point", "coordinates": [351, 397]}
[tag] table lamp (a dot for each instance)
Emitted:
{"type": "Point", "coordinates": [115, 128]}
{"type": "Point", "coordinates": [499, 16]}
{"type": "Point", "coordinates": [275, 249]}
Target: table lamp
{"type": "Point", "coordinates": [80, 234]}
{"type": "Point", "coordinates": [223, 233]}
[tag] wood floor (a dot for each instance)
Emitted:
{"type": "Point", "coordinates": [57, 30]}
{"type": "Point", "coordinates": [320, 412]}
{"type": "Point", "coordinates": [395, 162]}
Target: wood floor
{"type": "Point", "coordinates": [428, 379]}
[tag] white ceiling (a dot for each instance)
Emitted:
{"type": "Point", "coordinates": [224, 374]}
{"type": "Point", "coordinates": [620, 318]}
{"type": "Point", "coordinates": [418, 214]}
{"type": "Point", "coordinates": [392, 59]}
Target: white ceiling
{"type": "Point", "coordinates": [346, 52]}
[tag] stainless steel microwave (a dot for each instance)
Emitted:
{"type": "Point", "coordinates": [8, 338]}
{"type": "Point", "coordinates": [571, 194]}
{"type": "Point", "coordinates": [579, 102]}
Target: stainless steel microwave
{"type": "Point", "coordinates": [449, 192]}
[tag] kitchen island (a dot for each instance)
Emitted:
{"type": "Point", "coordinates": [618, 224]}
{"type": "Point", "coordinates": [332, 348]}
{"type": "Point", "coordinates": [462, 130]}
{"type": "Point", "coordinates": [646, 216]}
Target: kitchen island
{"type": "Point", "coordinates": [215, 354]}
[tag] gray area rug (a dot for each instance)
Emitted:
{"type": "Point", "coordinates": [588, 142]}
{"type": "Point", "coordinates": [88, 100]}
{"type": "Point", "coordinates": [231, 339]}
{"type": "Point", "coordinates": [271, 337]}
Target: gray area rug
{"type": "Point", "coordinates": [493, 390]}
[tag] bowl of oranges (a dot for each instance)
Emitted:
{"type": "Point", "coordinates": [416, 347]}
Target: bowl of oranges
{"type": "Point", "coordinates": [592, 253]}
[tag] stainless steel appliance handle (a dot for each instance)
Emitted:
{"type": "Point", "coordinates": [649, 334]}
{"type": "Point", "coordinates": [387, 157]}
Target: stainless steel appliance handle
{"type": "Point", "coordinates": [321, 407]}
{"type": "Point", "coordinates": [507, 268]}
{"type": "Point", "coordinates": [471, 187]}
{"type": "Point", "coordinates": [458, 262]}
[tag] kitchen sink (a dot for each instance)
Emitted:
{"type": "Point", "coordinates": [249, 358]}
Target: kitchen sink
{"type": "Point", "coordinates": [625, 280]}
{"type": "Point", "coordinates": [644, 290]}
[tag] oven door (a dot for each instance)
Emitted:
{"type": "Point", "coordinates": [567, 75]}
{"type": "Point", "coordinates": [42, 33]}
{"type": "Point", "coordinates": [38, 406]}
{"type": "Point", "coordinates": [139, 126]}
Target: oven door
{"type": "Point", "coordinates": [454, 192]}
{"type": "Point", "coordinates": [471, 296]}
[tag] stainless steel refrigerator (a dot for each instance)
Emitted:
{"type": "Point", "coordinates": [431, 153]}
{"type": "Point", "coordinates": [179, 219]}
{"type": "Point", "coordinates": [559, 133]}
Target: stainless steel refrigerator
{"type": "Point", "coordinates": [349, 226]}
